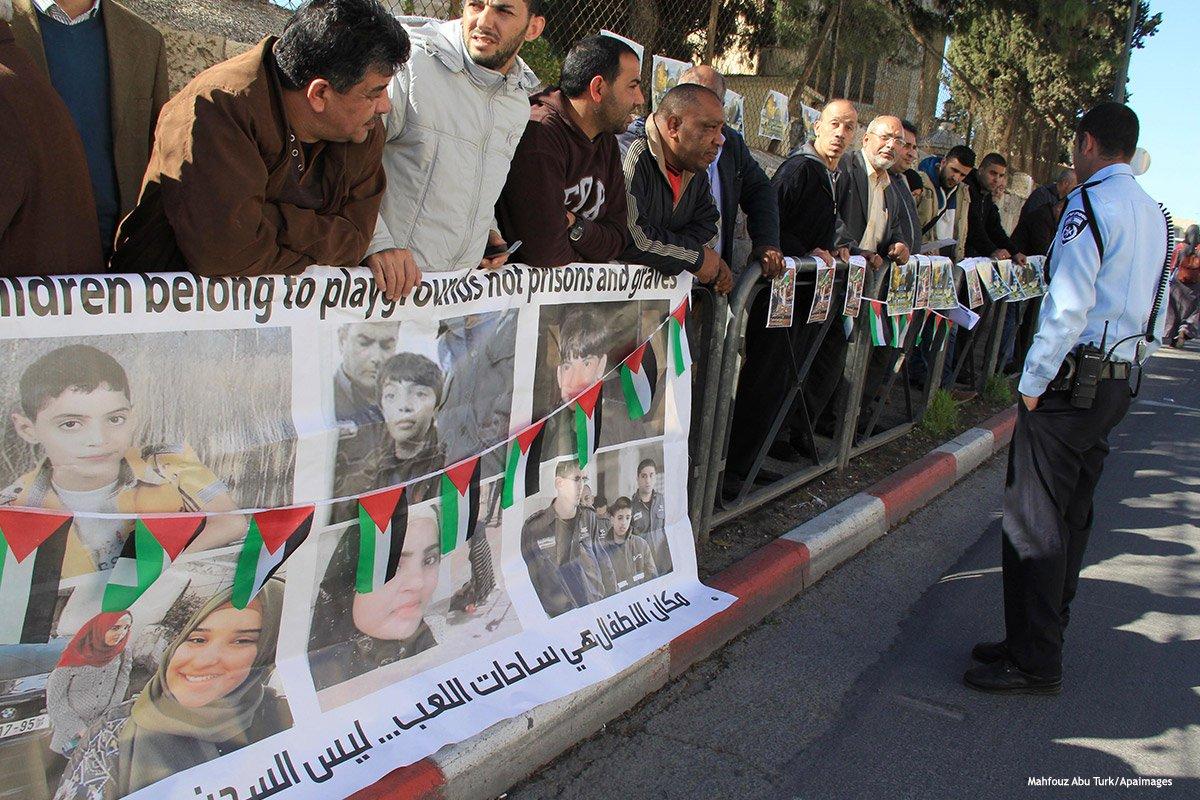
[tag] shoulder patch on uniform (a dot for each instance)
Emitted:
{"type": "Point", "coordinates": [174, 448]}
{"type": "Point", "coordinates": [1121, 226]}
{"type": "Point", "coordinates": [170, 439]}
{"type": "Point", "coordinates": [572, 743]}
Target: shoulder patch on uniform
{"type": "Point", "coordinates": [1073, 224]}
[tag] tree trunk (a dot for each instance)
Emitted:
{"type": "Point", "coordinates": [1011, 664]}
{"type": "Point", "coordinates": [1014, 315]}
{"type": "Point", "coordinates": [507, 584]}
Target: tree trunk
{"type": "Point", "coordinates": [796, 99]}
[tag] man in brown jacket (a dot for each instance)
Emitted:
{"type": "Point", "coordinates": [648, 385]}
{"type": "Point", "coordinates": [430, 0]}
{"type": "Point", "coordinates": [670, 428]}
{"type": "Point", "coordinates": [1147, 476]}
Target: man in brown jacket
{"type": "Point", "coordinates": [270, 162]}
{"type": "Point", "coordinates": [110, 68]}
{"type": "Point", "coordinates": [47, 216]}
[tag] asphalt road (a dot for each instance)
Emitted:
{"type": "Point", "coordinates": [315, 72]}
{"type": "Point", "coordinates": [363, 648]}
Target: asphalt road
{"type": "Point", "coordinates": [854, 689]}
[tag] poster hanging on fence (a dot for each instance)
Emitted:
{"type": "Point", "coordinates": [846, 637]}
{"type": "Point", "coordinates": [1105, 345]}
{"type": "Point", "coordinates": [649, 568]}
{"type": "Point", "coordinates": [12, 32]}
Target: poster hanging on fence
{"type": "Point", "coordinates": [773, 117]}
{"type": "Point", "coordinates": [809, 116]}
{"type": "Point", "coordinates": [637, 48]}
{"type": "Point", "coordinates": [1025, 280]}
{"type": "Point", "coordinates": [902, 287]}
{"type": "Point", "coordinates": [279, 535]}
{"type": "Point", "coordinates": [822, 292]}
{"type": "Point", "coordinates": [666, 72]}
{"type": "Point", "coordinates": [943, 292]}
{"type": "Point", "coordinates": [856, 279]}
{"type": "Point", "coordinates": [782, 301]}
{"type": "Point", "coordinates": [735, 111]}
{"type": "Point", "coordinates": [1039, 269]}
{"type": "Point", "coordinates": [924, 282]}
{"type": "Point", "coordinates": [992, 280]}
{"type": "Point", "coordinates": [971, 278]}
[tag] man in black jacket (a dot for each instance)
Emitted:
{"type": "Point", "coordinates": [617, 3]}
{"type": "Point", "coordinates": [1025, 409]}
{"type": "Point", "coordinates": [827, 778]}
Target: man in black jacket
{"type": "Point", "coordinates": [736, 180]}
{"type": "Point", "coordinates": [985, 233]}
{"type": "Point", "coordinates": [805, 187]}
{"type": "Point", "coordinates": [672, 217]}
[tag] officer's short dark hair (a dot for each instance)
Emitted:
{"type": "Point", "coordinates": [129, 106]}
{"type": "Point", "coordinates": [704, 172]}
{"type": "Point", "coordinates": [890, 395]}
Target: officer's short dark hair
{"type": "Point", "coordinates": [646, 462]}
{"type": "Point", "coordinates": [589, 57]}
{"type": "Point", "coordinates": [78, 367]}
{"type": "Point", "coordinates": [565, 467]}
{"type": "Point", "coordinates": [908, 126]}
{"type": "Point", "coordinates": [339, 40]}
{"type": "Point", "coordinates": [620, 504]}
{"type": "Point", "coordinates": [582, 335]}
{"type": "Point", "coordinates": [962, 154]}
{"type": "Point", "coordinates": [992, 158]}
{"type": "Point", "coordinates": [685, 97]}
{"type": "Point", "coordinates": [1115, 128]}
{"type": "Point", "coordinates": [414, 368]}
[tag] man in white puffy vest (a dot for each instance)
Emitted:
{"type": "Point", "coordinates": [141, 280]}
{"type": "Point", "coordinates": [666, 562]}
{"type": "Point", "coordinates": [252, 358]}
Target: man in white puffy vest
{"type": "Point", "coordinates": [459, 108]}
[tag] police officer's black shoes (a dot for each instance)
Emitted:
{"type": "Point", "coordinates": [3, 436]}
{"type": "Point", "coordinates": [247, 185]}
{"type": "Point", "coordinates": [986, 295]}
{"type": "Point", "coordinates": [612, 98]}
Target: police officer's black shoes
{"type": "Point", "coordinates": [1004, 677]}
{"type": "Point", "coordinates": [989, 652]}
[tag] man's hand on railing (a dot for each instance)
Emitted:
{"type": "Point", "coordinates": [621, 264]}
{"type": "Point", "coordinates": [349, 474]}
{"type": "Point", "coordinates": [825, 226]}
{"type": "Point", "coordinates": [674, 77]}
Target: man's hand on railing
{"type": "Point", "coordinates": [715, 271]}
{"type": "Point", "coordinates": [1020, 259]}
{"type": "Point", "coordinates": [395, 271]}
{"type": "Point", "coordinates": [898, 253]}
{"type": "Point", "coordinates": [842, 254]}
{"type": "Point", "coordinates": [1001, 254]}
{"type": "Point", "coordinates": [874, 259]}
{"type": "Point", "coordinates": [771, 259]}
{"type": "Point", "coordinates": [823, 255]}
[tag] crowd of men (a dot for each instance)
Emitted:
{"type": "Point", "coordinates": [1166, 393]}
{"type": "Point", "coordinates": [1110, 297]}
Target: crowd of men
{"type": "Point", "coordinates": [353, 139]}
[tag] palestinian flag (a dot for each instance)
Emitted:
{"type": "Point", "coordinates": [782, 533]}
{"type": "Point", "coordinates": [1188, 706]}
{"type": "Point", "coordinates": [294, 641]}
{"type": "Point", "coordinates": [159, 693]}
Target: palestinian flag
{"type": "Point", "coordinates": [681, 354]}
{"type": "Point", "coordinates": [587, 423]}
{"type": "Point", "coordinates": [525, 450]}
{"type": "Point", "coordinates": [900, 324]}
{"type": "Point", "coordinates": [638, 378]}
{"type": "Point", "coordinates": [460, 503]}
{"type": "Point", "coordinates": [924, 322]}
{"type": "Point", "coordinates": [149, 550]}
{"type": "Point", "coordinates": [32, 544]}
{"type": "Point", "coordinates": [382, 523]}
{"type": "Point", "coordinates": [876, 316]}
{"type": "Point", "coordinates": [272, 537]}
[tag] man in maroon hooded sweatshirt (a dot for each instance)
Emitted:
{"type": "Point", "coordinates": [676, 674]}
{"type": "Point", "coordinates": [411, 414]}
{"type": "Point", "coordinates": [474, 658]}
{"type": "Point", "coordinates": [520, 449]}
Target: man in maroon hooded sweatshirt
{"type": "Point", "coordinates": [569, 150]}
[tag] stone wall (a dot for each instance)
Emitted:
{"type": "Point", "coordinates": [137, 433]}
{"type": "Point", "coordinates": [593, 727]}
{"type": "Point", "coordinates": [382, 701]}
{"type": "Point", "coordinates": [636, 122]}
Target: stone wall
{"type": "Point", "coordinates": [189, 53]}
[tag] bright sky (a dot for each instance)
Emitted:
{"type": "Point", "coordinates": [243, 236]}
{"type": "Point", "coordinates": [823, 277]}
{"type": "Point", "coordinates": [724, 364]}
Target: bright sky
{"type": "Point", "coordinates": [1164, 90]}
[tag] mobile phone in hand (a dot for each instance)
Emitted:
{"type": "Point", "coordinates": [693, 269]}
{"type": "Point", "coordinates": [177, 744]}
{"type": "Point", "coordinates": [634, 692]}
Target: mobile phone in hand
{"type": "Point", "coordinates": [493, 250]}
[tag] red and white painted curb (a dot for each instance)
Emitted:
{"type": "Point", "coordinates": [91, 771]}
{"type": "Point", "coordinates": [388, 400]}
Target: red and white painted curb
{"type": "Point", "coordinates": [487, 764]}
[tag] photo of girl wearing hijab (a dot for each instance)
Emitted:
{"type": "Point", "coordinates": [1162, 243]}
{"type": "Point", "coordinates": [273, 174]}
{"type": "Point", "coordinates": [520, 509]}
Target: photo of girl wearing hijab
{"type": "Point", "coordinates": [208, 697]}
{"type": "Point", "coordinates": [354, 633]}
{"type": "Point", "coordinates": [91, 677]}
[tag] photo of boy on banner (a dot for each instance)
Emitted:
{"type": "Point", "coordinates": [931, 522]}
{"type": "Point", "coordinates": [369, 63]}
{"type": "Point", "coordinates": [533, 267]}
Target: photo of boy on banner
{"type": "Point", "coordinates": [203, 686]}
{"type": "Point", "coordinates": [924, 282]}
{"type": "Point", "coordinates": [579, 344]}
{"type": "Point", "coordinates": [902, 288]}
{"type": "Point", "coordinates": [943, 294]}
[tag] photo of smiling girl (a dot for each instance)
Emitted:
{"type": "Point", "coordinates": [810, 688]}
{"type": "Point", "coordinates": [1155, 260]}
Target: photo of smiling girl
{"type": "Point", "coordinates": [208, 697]}
{"type": "Point", "coordinates": [354, 633]}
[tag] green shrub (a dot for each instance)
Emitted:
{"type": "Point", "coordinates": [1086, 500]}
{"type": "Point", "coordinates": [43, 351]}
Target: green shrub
{"type": "Point", "coordinates": [941, 418]}
{"type": "Point", "coordinates": [998, 391]}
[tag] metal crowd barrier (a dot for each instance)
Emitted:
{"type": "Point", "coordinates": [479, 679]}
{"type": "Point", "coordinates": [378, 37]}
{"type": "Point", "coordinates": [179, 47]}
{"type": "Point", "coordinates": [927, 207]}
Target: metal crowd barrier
{"type": "Point", "coordinates": [716, 510]}
{"type": "Point", "coordinates": [706, 336]}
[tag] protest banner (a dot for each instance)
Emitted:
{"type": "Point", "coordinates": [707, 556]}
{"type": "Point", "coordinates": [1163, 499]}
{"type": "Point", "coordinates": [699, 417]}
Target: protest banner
{"type": "Point", "coordinates": [280, 535]}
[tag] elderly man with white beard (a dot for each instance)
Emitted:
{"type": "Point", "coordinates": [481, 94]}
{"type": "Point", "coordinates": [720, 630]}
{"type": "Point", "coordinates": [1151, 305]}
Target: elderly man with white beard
{"type": "Point", "coordinates": [866, 223]}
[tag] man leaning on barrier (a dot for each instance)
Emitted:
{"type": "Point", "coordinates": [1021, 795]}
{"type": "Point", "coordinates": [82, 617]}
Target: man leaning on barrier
{"type": "Point", "coordinates": [1103, 314]}
{"type": "Point", "coordinates": [47, 214]}
{"type": "Point", "coordinates": [945, 205]}
{"type": "Point", "coordinates": [269, 162]}
{"type": "Point", "coordinates": [900, 196]}
{"type": "Point", "coordinates": [869, 225]}
{"type": "Point", "coordinates": [458, 110]}
{"type": "Point", "coordinates": [672, 217]}
{"type": "Point", "coordinates": [736, 179]}
{"type": "Point", "coordinates": [565, 195]}
{"type": "Point", "coordinates": [804, 185]}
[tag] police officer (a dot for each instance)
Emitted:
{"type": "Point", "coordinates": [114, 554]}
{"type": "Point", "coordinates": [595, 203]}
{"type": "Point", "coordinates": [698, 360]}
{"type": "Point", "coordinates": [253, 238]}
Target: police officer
{"type": "Point", "coordinates": [650, 515]}
{"type": "Point", "coordinates": [1107, 266]}
{"type": "Point", "coordinates": [558, 544]}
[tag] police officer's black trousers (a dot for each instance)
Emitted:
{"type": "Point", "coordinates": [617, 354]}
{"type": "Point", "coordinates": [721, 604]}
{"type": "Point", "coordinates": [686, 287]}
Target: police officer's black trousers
{"type": "Point", "coordinates": [1054, 463]}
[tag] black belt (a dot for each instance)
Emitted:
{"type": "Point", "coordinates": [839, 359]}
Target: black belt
{"type": "Point", "coordinates": [1109, 370]}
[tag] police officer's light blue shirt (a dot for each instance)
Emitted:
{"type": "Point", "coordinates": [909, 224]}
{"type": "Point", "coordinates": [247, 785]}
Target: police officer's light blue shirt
{"type": "Point", "coordinates": [1085, 293]}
